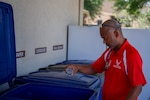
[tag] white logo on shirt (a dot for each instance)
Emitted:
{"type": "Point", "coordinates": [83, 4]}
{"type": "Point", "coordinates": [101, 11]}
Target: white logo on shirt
{"type": "Point", "coordinates": [117, 64]}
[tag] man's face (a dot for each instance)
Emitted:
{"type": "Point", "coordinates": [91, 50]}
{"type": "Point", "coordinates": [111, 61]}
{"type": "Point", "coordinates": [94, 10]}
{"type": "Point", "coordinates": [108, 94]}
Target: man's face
{"type": "Point", "coordinates": [107, 33]}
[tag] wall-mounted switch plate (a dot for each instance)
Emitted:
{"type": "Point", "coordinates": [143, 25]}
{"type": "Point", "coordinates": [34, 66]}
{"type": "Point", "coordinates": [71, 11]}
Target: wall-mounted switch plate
{"type": "Point", "coordinates": [40, 50]}
{"type": "Point", "coordinates": [20, 54]}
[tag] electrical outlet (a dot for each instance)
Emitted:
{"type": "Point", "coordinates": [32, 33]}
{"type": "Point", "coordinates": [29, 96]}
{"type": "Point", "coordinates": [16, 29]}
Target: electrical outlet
{"type": "Point", "coordinates": [60, 47]}
{"type": "Point", "coordinates": [20, 54]}
{"type": "Point", "coordinates": [40, 50]}
{"type": "Point", "coordinates": [57, 47]}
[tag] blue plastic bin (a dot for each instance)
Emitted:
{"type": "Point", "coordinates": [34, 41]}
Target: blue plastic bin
{"type": "Point", "coordinates": [48, 92]}
{"type": "Point", "coordinates": [7, 43]}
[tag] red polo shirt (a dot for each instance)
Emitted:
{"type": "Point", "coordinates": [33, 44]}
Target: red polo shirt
{"type": "Point", "coordinates": [119, 82]}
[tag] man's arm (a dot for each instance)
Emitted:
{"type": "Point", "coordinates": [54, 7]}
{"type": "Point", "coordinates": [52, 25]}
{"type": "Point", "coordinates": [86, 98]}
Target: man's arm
{"type": "Point", "coordinates": [134, 93]}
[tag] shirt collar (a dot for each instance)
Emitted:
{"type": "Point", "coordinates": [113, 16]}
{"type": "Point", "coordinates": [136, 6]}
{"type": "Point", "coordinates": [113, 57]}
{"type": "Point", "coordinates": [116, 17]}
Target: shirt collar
{"type": "Point", "coordinates": [121, 50]}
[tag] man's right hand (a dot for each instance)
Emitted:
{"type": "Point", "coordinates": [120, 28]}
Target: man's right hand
{"type": "Point", "coordinates": [71, 69]}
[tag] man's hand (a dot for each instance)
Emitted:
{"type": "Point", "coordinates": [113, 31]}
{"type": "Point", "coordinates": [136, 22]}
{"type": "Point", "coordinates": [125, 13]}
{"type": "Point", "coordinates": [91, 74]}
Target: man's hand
{"type": "Point", "coordinates": [71, 69]}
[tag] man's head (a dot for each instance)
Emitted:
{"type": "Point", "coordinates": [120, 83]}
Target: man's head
{"type": "Point", "coordinates": [111, 33]}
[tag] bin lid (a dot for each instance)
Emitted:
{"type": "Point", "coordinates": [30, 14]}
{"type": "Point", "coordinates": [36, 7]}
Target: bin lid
{"type": "Point", "coordinates": [78, 79]}
{"type": "Point", "coordinates": [83, 62]}
{"type": "Point", "coordinates": [7, 42]}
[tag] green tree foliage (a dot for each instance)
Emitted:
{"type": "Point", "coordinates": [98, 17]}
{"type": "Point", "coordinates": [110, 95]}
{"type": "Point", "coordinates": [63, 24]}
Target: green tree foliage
{"type": "Point", "coordinates": [93, 6]}
{"type": "Point", "coordinates": [136, 10]}
{"type": "Point", "coordinates": [144, 20]}
{"type": "Point", "coordinates": [133, 7]}
{"type": "Point", "coordinates": [131, 11]}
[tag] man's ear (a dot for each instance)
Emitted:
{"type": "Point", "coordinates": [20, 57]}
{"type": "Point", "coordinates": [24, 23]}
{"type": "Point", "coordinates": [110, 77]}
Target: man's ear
{"type": "Point", "coordinates": [116, 33]}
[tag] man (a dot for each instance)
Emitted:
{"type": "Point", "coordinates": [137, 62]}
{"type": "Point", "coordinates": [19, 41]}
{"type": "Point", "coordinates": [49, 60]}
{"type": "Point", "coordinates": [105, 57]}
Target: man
{"type": "Point", "coordinates": [121, 63]}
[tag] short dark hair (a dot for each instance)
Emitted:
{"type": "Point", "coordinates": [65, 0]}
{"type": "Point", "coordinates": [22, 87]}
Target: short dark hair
{"type": "Point", "coordinates": [112, 23]}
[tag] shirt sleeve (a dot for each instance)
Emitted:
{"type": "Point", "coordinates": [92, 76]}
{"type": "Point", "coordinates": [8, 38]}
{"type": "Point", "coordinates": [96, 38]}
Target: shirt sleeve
{"type": "Point", "coordinates": [99, 64]}
{"type": "Point", "coordinates": [135, 72]}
